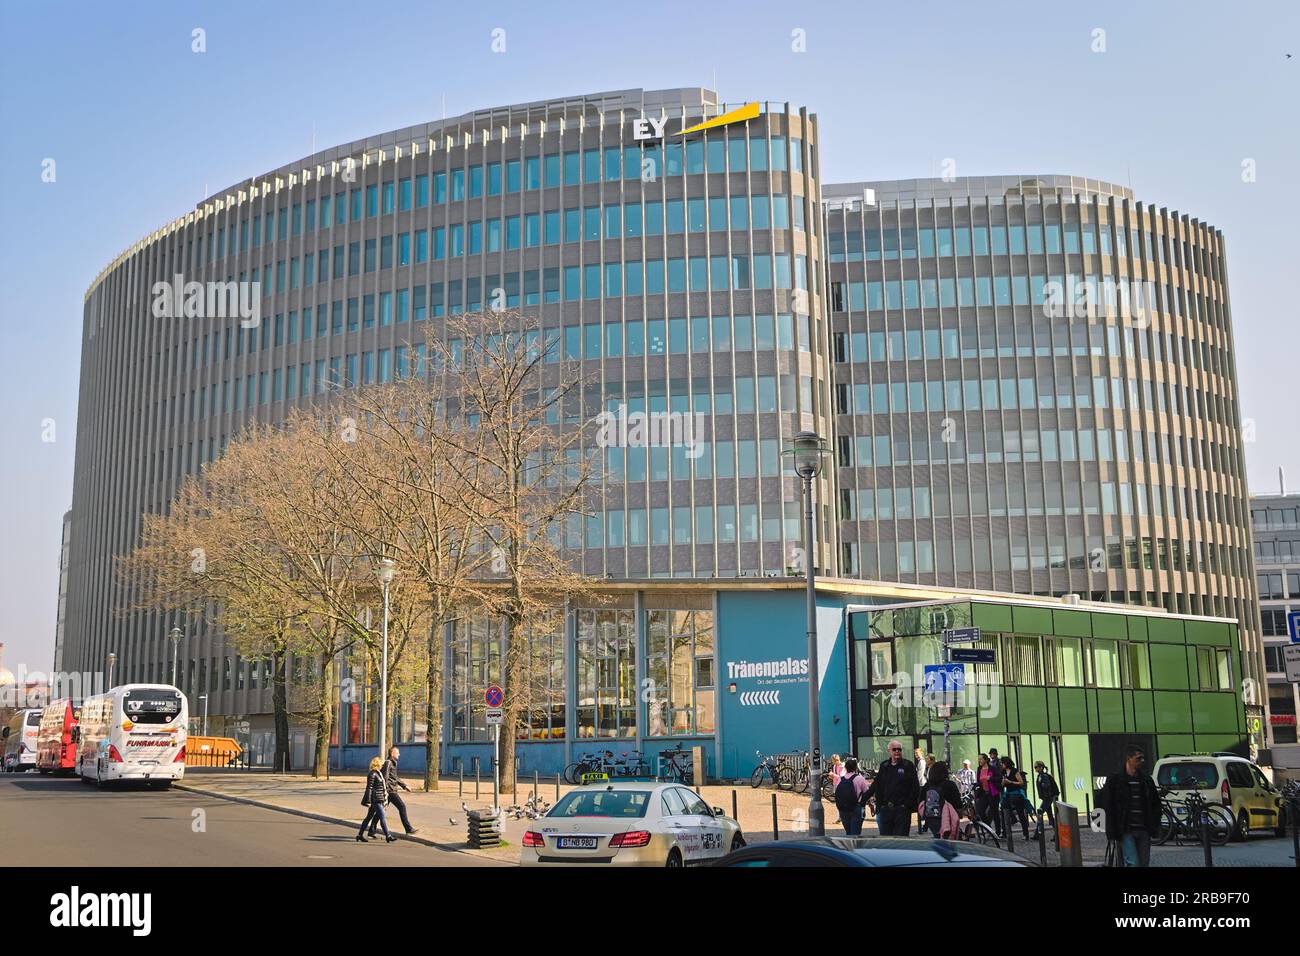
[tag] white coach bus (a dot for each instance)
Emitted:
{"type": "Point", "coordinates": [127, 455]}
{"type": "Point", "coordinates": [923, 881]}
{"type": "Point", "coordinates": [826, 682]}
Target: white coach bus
{"type": "Point", "coordinates": [133, 732]}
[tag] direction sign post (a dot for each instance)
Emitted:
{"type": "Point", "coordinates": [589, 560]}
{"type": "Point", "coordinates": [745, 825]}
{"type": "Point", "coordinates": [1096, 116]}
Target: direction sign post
{"type": "Point", "coordinates": [495, 698]}
{"type": "Point", "coordinates": [961, 635]}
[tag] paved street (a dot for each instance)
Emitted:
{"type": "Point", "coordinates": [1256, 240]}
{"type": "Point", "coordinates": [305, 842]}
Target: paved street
{"type": "Point", "coordinates": [58, 821]}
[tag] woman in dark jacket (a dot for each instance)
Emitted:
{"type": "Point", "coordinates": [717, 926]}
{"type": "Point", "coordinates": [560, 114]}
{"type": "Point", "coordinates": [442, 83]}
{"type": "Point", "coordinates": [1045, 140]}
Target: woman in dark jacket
{"type": "Point", "coordinates": [937, 779]}
{"type": "Point", "coordinates": [375, 797]}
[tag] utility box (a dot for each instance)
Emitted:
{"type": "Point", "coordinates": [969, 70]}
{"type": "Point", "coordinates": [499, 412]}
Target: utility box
{"type": "Point", "coordinates": [484, 829]}
{"type": "Point", "coordinates": [1068, 836]}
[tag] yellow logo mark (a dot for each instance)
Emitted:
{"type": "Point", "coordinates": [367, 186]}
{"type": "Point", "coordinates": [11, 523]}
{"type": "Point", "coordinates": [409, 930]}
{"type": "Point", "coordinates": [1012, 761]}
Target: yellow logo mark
{"type": "Point", "coordinates": [746, 112]}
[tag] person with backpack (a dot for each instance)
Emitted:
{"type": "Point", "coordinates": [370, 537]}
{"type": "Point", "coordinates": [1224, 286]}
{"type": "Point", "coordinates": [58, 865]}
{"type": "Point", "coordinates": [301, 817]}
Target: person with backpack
{"type": "Point", "coordinates": [850, 798]}
{"type": "Point", "coordinates": [1013, 794]}
{"type": "Point", "coordinates": [1048, 791]}
{"type": "Point", "coordinates": [940, 806]}
{"type": "Point", "coordinates": [896, 792]}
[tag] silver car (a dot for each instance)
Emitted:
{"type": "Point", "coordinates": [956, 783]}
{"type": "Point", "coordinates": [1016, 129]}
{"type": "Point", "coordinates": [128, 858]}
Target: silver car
{"type": "Point", "coordinates": [630, 824]}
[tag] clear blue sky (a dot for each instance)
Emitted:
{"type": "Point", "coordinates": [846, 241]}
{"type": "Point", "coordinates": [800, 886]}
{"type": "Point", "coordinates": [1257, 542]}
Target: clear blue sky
{"type": "Point", "coordinates": [138, 125]}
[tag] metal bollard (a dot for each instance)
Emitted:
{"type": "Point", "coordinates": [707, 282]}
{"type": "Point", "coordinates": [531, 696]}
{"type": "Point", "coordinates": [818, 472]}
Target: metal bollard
{"type": "Point", "coordinates": [1205, 839]}
{"type": "Point", "coordinates": [557, 787]}
{"type": "Point", "coordinates": [460, 790]}
{"type": "Point", "coordinates": [1042, 841]}
{"type": "Point", "coordinates": [734, 815]}
{"type": "Point", "coordinates": [476, 778]}
{"type": "Point", "coordinates": [776, 832]}
{"type": "Point", "coordinates": [1067, 831]}
{"type": "Point", "coordinates": [1006, 828]}
{"type": "Point", "coordinates": [535, 779]}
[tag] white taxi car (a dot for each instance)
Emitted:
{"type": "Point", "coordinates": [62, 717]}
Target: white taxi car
{"type": "Point", "coordinates": [630, 824]}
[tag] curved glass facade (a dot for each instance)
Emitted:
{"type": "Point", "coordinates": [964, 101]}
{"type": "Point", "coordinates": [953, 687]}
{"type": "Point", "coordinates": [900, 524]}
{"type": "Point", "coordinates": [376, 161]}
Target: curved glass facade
{"type": "Point", "coordinates": [1035, 392]}
{"type": "Point", "coordinates": [679, 274]}
{"type": "Point", "coordinates": [990, 431]}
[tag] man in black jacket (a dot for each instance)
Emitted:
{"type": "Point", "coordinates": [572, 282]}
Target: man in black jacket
{"type": "Point", "coordinates": [896, 792]}
{"type": "Point", "coordinates": [1048, 791]}
{"type": "Point", "coordinates": [1132, 807]}
{"type": "Point", "coordinates": [389, 770]}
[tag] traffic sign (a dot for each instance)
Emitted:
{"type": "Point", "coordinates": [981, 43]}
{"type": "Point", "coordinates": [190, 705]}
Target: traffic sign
{"type": "Point", "coordinates": [961, 635]}
{"type": "Point", "coordinates": [493, 696]}
{"type": "Point", "coordinates": [495, 715]}
{"type": "Point", "coordinates": [1291, 660]}
{"type": "Point", "coordinates": [973, 655]}
{"type": "Point", "coordinates": [1293, 626]}
{"type": "Point", "coordinates": [940, 678]}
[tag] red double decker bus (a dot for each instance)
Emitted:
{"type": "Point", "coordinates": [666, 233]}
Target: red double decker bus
{"type": "Point", "coordinates": [56, 740]}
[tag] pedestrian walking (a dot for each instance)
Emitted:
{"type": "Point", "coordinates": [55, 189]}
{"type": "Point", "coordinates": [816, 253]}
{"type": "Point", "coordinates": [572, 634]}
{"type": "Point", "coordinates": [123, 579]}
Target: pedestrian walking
{"type": "Point", "coordinates": [986, 794]}
{"type": "Point", "coordinates": [836, 770]}
{"type": "Point", "coordinates": [1132, 808]}
{"type": "Point", "coordinates": [940, 806]}
{"type": "Point", "coordinates": [392, 782]}
{"type": "Point", "coordinates": [850, 798]}
{"type": "Point", "coordinates": [1013, 794]}
{"type": "Point", "coordinates": [995, 779]}
{"type": "Point", "coordinates": [1048, 791]}
{"type": "Point", "coordinates": [895, 791]}
{"type": "Point", "coordinates": [375, 797]}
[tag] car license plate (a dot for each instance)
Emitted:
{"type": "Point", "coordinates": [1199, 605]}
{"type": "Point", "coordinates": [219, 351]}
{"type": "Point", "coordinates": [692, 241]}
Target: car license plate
{"type": "Point", "coordinates": [148, 763]}
{"type": "Point", "coordinates": [576, 843]}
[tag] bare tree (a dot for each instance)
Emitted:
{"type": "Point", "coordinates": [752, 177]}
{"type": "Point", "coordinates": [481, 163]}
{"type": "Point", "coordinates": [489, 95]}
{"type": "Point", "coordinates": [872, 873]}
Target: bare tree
{"type": "Point", "coordinates": [531, 484]}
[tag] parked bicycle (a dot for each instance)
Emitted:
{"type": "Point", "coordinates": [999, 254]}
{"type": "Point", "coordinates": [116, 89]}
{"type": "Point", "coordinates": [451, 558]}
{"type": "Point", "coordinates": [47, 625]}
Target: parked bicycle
{"type": "Point", "coordinates": [1183, 820]}
{"type": "Point", "coordinates": [771, 768]}
{"type": "Point", "coordinates": [600, 762]}
{"type": "Point", "coordinates": [675, 765]}
{"type": "Point", "coordinates": [973, 829]}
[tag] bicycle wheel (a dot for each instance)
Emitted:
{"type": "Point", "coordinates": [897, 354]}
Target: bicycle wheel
{"type": "Point", "coordinates": [756, 778]}
{"type": "Point", "coordinates": [1220, 822]}
{"type": "Point", "coordinates": [573, 773]}
{"type": "Point", "coordinates": [986, 835]}
{"type": "Point", "coordinates": [785, 778]}
{"type": "Point", "coordinates": [1168, 827]}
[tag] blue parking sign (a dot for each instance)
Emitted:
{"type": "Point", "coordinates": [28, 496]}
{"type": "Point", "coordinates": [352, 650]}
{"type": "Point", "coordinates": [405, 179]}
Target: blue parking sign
{"type": "Point", "coordinates": [1293, 626]}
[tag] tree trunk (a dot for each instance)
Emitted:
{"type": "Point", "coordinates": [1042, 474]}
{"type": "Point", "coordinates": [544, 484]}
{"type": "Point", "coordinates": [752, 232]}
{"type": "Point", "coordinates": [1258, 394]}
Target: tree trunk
{"type": "Point", "coordinates": [433, 707]}
{"type": "Point", "coordinates": [280, 704]}
{"type": "Point", "coordinates": [324, 718]}
{"type": "Point", "coordinates": [513, 686]}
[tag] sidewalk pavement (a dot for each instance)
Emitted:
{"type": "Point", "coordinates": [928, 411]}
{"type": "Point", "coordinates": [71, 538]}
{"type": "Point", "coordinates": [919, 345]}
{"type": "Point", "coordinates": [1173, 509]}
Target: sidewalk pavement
{"type": "Point", "coordinates": [442, 821]}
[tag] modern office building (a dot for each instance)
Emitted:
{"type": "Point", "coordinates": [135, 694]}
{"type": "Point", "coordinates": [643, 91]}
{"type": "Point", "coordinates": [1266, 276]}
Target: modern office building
{"type": "Point", "coordinates": [684, 256]}
{"type": "Point", "coordinates": [1275, 520]}
{"type": "Point", "coordinates": [1035, 392]}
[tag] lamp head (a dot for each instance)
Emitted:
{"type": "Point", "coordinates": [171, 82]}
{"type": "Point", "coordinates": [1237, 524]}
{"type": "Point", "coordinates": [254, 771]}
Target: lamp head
{"type": "Point", "coordinates": [386, 570]}
{"type": "Point", "coordinates": [806, 452]}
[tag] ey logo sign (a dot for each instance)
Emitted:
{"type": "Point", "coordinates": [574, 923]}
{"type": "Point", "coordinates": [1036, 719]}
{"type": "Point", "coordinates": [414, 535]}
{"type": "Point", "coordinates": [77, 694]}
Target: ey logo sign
{"type": "Point", "coordinates": [648, 128]}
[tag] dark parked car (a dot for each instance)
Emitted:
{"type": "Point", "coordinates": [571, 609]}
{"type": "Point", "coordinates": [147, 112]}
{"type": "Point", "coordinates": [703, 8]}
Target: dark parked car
{"type": "Point", "coordinates": [869, 851]}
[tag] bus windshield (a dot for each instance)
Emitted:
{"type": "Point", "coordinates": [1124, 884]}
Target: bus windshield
{"type": "Point", "coordinates": [151, 706]}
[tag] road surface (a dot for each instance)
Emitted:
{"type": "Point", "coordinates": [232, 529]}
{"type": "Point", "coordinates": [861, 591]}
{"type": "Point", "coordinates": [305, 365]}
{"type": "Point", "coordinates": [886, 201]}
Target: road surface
{"type": "Point", "coordinates": [59, 821]}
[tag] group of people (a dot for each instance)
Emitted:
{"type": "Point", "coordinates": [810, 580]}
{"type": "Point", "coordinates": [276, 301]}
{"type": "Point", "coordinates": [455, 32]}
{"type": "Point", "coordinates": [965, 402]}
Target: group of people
{"type": "Point", "coordinates": [382, 784]}
{"type": "Point", "coordinates": [939, 798]}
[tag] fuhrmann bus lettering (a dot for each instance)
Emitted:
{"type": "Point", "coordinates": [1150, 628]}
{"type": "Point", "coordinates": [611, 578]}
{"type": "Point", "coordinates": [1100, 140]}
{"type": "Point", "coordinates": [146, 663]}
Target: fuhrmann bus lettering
{"type": "Point", "coordinates": [75, 909]}
{"type": "Point", "coordinates": [790, 666]}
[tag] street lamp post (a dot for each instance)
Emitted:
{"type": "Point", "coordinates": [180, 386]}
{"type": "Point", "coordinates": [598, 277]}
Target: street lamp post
{"type": "Point", "coordinates": [806, 452]}
{"type": "Point", "coordinates": [386, 571]}
{"type": "Point", "coordinates": [176, 649]}
{"type": "Point", "coordinates": [112, 662]}
{"type": "Point", "coordinates": [204, 698]}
